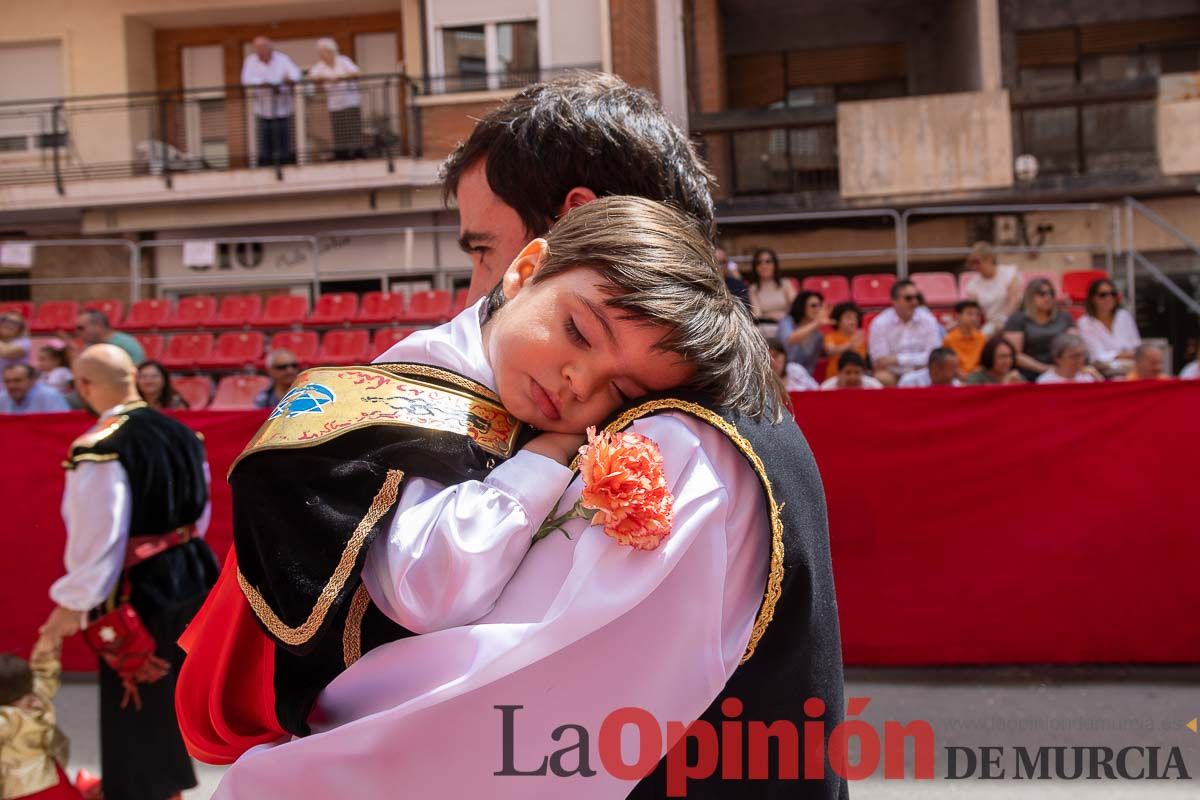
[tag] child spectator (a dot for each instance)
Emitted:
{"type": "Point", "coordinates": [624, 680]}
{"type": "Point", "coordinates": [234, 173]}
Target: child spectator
{"type": "Point", "coordinates": [53, 369]}
{"type": "Point", "coordinates": [791, 376]}
{"type": "Point", "coordinates": [851, 374]}
{"type": "Point", "coordinates": [1070, 361]}
{"type": "Point", "coordinates": [33, 751]}
{"type": "Point", "coordinates": [848, 335]}
{"type": "Point", "coordinates": [966, 339]}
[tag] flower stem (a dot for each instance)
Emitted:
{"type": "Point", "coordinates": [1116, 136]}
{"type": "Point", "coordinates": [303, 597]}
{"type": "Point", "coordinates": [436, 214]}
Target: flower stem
{"type": "Point", "coordinates": [554, 523]}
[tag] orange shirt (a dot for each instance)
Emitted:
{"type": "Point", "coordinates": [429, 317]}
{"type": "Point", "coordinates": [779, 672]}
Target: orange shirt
{"type": "Point", "coordinates": [967, 347]}
{"type": "Point", "coordinates": [835, 339]}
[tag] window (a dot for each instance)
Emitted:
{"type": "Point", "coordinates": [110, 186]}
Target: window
{"type": "Point", "coordinates": [493, 56]}
{"type": "Point", "coordinates": [517, 52]}
{"type": "Point", "coordinates": [464, 54]}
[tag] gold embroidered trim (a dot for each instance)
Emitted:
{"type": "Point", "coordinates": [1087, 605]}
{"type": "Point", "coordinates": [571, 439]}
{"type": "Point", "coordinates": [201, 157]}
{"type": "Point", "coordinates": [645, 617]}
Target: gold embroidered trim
{"type": "Point", "coordinates": [385, 498]}
{"type": "Point", "coordinates": [93, 438]}
{"type": "Point", "coordinates": [95, 457]}
{"type": "Point", "coordinates": [766, 611]}
{"type": "Point", "coordinates": [427, 371]}
{"type": "Point", "coordinates": [352, 636]}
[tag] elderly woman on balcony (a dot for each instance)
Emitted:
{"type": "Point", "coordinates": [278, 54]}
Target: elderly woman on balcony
{"type": "Point", "coordinates": [336, 73]}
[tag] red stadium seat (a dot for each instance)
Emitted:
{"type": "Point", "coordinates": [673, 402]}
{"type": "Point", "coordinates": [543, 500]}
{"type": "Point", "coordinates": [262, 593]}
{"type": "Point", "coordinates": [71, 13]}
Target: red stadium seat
{"type": "Point", "coordinates": [428, 307]}
{"type": "Point", "coordinates": [197, 311]}
{"type": "Point", "coordinates": [1055, 279]}
{"type": "Point", "coordinates": [1076, 312]}
{"type": "Point", "coordinates": [54, 316]}
{"type": "Point", "coordinates": [381, 307]}
{"type": "Point", "coordinates": [334, 309]}
{"type": "Point", "coordinates": [302, 343]}
{"type": "Point", "coordinates": [834, 288]}
{"type": "Point", "coordinates": [283, 311]}
{"type": "Point", "coordinates": [237, 392]}
{"type": "Point", "coordinates": [793, 282]}
{"type": "Point", "coordinates": [152, 345]}
{"type": "Point", "coordinates": [113, 309]}
{"type": "Point", "coordinates": [873, 290]}
{"type": "Point", "coordinates": [1075, 284]}
{"type": "Point", "coordinates": [386, 337]}
{"type": "Point", "coordinates": [460, 300]}
{"type": "Point", "coordinates": [344, 347]}
{"type": "Point", "coordinates": [940, 288]}
{"type": "Point", "coordinates": [238, 311]}
{"type": "Point", "coordinates": [196, 389]}
{"type": "Point", "coordinates": [22, 307]}
{"type": "Point", "coordinates": [235, 350]}
{"type": "Point", "coordinates": [146, 315]}
{"type": "Point", "coordinates": [188, 350]}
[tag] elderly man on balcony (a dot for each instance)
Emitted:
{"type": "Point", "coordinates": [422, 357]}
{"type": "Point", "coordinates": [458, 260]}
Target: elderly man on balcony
{"type": "Point", "coordinates": [269, 74]}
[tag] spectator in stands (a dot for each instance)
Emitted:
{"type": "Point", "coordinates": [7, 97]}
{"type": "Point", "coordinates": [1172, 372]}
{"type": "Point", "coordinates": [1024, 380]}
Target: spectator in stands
{"type": "Point", "coordinates": [1149, 363]}
{"type": "Point", "coordinates": [851, 374]}
{"type": "Point", "coordinates": [733, 276]}
{"type": "Point", "coordinates": [1070, 361]}
{"type": "Point", "coordinates": [941, 371]}
{"type": "Point", "coordinates": [792, 377]}
{"type": "Point", "coordinates": [966, 339]}
{"type": "Point", "coordinates": [154, 385]}
{"type": "Point", "coordinates": [997, 364]}
{"type": "Point", "coordinates": [24, 395]}
{"type": "Point", "coordinates": [800, 329]}
{"type": "Point", "coordinates": [997, 287]}
{"type": "Point", "coordinates": [901, 339]}
{"type": "Point", "coordinates": [282, 368]}
{"type": "Point", "coordinates": [771, 297]}
{"type": "Point", "coordinates": [14, 341]}
{"type": "Point", "coordinates": [1191, 371]}
{"type": "Point", "coordinates": [336, 75]}
{"type": "Point", "coordinates": [1032, 329]}
{"type": "Point", "coordinates": [846, 335]}
{"type": "Point", "coordinates": [269, 74]}
{"type": "Point", "coordinates": [93, 328]}
{"type": "Point", "coordinates": [1108, 330]}
{"type": "Point", "coordinates": [53, 368]}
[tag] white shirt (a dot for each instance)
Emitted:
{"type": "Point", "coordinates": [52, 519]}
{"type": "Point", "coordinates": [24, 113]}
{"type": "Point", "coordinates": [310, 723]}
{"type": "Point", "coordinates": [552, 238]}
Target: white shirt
{"type": "Point", "coordinates": [96, 508]}
{"type": "Point", "coordinates": [342, 93]}
{"type": "Point", "coordinates": [269, 103]}
{"type": "Point", "coordinates": [1051, 376]}
{"type": "Point", "coordinates": [1191, 371]}
{"type": "Point", "coordinates": [583, 626]}
{"type": "Point", "coordinates": [868, 382]}
{"type": "Point", "coordinates": [910, 342]}
{"type": "Point", "coordinates": [1104, 344]}
{"type": "Point", "coordinates": [992, 295]}
{"type": "Point", "coordinates": [797, 379]}
{"type": "Point", "coordinates": [921, 378]}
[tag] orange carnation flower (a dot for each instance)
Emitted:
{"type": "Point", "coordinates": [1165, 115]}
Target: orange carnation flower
{"type": "Point", "coordinates": [624, 490]}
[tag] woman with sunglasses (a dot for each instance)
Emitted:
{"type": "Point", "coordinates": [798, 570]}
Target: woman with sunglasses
{"type": "Point", "coordinates": [1108, 330]}
{"type": "Point", "coordinates": [1033, 327]}
{"type": "Point", "coordinates": [770, 296]}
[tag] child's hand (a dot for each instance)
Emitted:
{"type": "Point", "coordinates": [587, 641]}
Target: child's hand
{"type": "Point", "coordinates": [560, 447]}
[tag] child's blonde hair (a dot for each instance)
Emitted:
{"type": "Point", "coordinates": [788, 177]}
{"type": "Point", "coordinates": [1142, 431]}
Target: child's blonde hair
{"type": "Point", "coordinates": [662, 271]}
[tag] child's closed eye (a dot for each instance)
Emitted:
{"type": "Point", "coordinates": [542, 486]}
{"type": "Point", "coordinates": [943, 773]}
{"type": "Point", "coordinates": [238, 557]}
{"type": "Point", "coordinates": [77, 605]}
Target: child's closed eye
{"type": "Point", "coordinates": [574, 334]}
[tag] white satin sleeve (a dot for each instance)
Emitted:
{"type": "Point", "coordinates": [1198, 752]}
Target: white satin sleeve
{"type": "Point", "coordinates": [96, 509]}
{"type": "Point", "coordinates": [205, 518]}
{"type": "Point", "coordinates": [450, 550]}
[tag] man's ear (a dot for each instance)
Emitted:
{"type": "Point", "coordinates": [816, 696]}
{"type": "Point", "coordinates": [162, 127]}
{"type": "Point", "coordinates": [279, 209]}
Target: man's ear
{"type": "Point", "coordinates": [524, 267]}
{"type": "Point", "coordinates": [580, 195]}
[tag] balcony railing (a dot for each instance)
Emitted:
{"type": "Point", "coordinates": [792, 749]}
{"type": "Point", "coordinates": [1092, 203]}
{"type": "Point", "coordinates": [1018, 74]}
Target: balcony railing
{"type": "Point", "coordinates": [195, 130]}
{"type": "Point", "coordinates": [493, 81]}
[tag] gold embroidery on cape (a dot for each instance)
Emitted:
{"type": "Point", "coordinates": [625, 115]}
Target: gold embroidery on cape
{"type": "Point", "coordinates": [96, 457]}
{"type": "Point", "coordinates": [352, 636]}
{"type": "Point", "coordinates": [766, 611]}
{"type": "Point", "coordinates": [93, 438]}
{"type": "Point", "coordinates": [385, 498]}
{"type": "Point", "coordinates": [388, 394]}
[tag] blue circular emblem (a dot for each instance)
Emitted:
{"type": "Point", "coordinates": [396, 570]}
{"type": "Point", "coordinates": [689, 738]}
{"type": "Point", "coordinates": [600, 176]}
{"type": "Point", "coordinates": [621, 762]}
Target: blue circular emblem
{"type": "Point", "coordinates": [310, 398]}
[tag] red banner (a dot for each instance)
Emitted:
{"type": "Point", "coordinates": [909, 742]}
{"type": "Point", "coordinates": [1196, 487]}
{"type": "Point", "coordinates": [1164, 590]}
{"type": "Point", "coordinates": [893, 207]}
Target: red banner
{"type": "Point", "coordinates": [1038, 524]}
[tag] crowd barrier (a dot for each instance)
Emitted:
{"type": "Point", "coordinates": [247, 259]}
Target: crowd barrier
{"type": "Point", "coordinates": [1035, 524]}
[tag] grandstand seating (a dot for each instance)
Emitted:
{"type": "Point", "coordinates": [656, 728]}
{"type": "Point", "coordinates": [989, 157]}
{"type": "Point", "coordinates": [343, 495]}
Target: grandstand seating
{"type": "Point", "coordinates": [428, 307]}
{"type": "Point", "coordinates": [380, 307]}
{"type": "Point", "coordinates": [53, 316]}
{"type": "Point", "coordinates": [195, 389]}
{"type": "Point", "coordinates": [386, 337]}
{"type": "Point", "coordinates": [302, 343]}
{"type": "Point", "coordinates": [1075, 284]}
{"type": "Point", "coordinates": [22, 307]}
{"type": "Point", "coordinates": [152, 345]}
{"type": "Point", "coordinates": [1030, 275]}
{"type": "Point", "coordinates": [147, 315]}
{"type": "Point", "coordinates": [964, 278]}
{"type": "Point", "coordinates": [940, 288]}
{"type": "Point", "coordinates": [834, 288]}
{"type": "Point", "coordinates": [344, 347]}
{"type": "Point", "coordinates": [334, 309]}
{"type": "Point", "coordinates": [238, 311]}
{"type": "Point", "coordinates": [237, 392]}
{"type": "Point", "coordinates": [196, 311]}
{"type": "Point", "coordinates": [873, 290]}
{"type": "Point", "coordinates": [460, 300]}
{"type": "Point", "coordinates": [236, 349]}
{"type": "Point", "coordinates": [188, 350]}
{"type": "Point", "coordinates": [283, 311]}
{"type": "Point", "coordinates": [113, 309]}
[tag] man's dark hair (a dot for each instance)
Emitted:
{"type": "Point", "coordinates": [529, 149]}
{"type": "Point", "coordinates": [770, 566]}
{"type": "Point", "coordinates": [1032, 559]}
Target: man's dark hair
{"type": "Point", "coordinates": [98, 317]}
{"type": "Point", "coordinates": [900, 286]}
{"type": "Point", "coordinates": [30, 374]}
{"type": "Point", "coordinates": [16, 678]}
{"type": "Point", "coordinates": [963, 305]}
{"type": "Point", "coordinates": [589, 130]}
{"type": "Point", "coordinates": [851, 358]}
{"type": "Point", "coordinates": [939, 354]}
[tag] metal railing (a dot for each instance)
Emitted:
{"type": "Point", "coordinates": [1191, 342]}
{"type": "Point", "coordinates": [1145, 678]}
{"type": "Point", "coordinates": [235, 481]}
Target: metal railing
{"type": "Point", "coordinates": [61, 140]}
{"type": "Point", "coordinates": [1134, 258]}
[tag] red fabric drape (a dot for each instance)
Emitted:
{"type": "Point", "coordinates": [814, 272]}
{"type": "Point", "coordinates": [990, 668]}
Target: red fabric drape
{"type": "Point", "coordinates": [1053, 524]}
